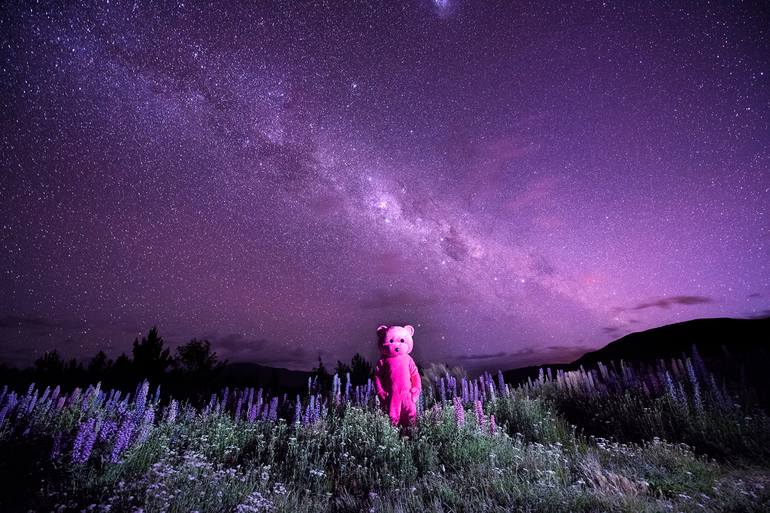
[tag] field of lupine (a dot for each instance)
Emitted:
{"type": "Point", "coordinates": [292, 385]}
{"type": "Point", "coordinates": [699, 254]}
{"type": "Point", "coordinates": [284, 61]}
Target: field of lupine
{"type": "Point", "coordinates": [664, 437]}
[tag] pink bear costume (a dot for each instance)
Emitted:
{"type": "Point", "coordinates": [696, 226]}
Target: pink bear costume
{"type": "Point", "coordinates": [396, 376]}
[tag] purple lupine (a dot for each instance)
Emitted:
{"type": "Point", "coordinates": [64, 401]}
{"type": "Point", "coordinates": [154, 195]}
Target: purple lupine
{"type": "Point", "coordinates": [7, 409]}
{"type": "Point", "coordinates": [73, 397]}
{"type": "Point", "coordinates": [249, 400]}
{"type": "Point", "coordinates": [459, 412]}
{"type": "Point", "coordinates": [89, 441]}
{"type": "Point", "coordinates": [492, 425]}
{"type": "Point", "coordinates": [464, 390]}
{"type": "Point", "coordinates": [297, 411]}
{"type": "Point", "coordinates": [347, 387]}
{"type": "Point", "coordinates": [225, 396]}
{"type": "Point", "coordinates": [43, 397]}
{"type": "Point", "coordinates": [716, 392]}
{"type": "Point", "coordinates": [479, 411]}
{"type": "Point", "coordinates": [55, 394]}
{"type": "Point", "coordinates": [252, 413]}
{"type": "Point", "coordinates": [238, 407]}
{"type": "Point", "coordinates": [141, 400]}
{"type": "Point", "coordinates": [81, 440]}
{"type": "Point", "coordinates": [307, 418]}
{"type": "Point", "coordinates": [442, 389]}
{"type": "Point", "coordinates": [695, 385]}
{"type": "Point", "coordinates": [147, 423]}
{"type": "Point", "coordinates": [109, 427]}
{"type": "Point", "coordinates": [670, 388]}
{"type": "Point", "coordinates": [171, 412]}
{"type": "Point", "coordinates": [123, 439]}
{"type": "Point", "coordinates": [273, 409]}
{"type": "Point", "coordinates": [492, 391]}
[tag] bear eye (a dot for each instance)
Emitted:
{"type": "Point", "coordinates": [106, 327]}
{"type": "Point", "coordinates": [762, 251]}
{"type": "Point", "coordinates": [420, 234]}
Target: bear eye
{"type": "Point", "coordinates": [391, 341]}
{"type": "Point", "coordinates": [402, 340]}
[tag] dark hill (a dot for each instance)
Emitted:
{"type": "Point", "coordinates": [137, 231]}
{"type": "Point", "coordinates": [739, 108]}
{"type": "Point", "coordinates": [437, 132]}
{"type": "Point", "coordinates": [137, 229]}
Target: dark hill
{"type": "Point", "coordinates": [735, 349]}
{"type": "Point", "coordinates": [714, 338]}
{"type": "Point", "coordinates": [245, 374]}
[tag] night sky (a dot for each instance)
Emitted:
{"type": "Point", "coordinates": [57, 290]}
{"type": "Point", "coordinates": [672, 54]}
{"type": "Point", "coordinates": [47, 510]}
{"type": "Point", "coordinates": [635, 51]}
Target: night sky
{"type": "Point", "coordinates": [520, 181]}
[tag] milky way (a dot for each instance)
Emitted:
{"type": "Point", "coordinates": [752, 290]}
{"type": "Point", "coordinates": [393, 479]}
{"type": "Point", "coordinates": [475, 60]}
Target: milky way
{"type": "Point", "coordinates": [520, 183]}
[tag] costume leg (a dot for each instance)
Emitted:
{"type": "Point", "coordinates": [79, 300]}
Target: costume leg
{"type": "Point", "coordinates": [408, 411]}
{"type": "Point", "coordinates": [395, 407]}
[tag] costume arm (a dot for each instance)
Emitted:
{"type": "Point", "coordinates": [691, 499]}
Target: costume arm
{"type": "Point", "coordinates": [414, 377]}
{"type": "Point", "coordinates": [377, 382]}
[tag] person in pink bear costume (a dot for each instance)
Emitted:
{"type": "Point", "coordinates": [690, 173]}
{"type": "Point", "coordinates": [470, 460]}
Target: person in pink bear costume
{"type": "Point", "coordinates": [396, 376]}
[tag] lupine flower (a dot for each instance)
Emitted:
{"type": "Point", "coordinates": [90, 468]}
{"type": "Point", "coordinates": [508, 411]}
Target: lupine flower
{"type": "Point", "coordinates": [347, 387]}
{"type": "Point", "coordinates": [171, 412]}
{"type": "Point", "coordinates": [273, 415]}
{"type": "Point", "coordinates": [252, 413]}
{"type": "Point", "coordinates": [479, 411]}
{"type": "Point", "coordinates": [695, 386]}
{"type": "Point", "coordinates": [90, 440]}
{"type": "Point", "coordinates": [297, 410]}
{"type": "Point", "coordinates": [146, 427]}
{"type": "Point", "coordinates": [238, 407]}
{"type": "Point", "coordinates": [459, 412]}
{"type": "Point", "coordinates": [670, 388]}
{"type": "Point", "coordinates": [73, 398]}
{"type": "Point", "coordinates": [492, 425]}
{"type": "Point", "coordinates": [108, 429]}
{"type": "Point", "coordinates": [122, 440]}
{"type": "Point", "coordinates": [141, 400]}
{"type": "Point", "coordinates": [249, 399]}
{"type": "Point", "coordinates": [81, 442]}
{"type": "Point", "coordinates": [225, 396]}
{"type": "Point", "coordinates": [5, 411]}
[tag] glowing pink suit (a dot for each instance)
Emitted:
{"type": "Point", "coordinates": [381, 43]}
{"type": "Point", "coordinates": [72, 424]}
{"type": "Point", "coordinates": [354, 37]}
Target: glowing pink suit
{"type": "Point", "coordinates": [395, 375]}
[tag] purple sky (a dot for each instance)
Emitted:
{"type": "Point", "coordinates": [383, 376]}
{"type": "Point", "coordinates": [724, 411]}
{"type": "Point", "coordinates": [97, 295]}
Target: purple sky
{"type": "Point", "coordinates": [520, 183]}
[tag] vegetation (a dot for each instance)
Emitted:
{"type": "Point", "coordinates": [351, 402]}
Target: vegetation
{"type": "Point", "coordinates": [614, 438]}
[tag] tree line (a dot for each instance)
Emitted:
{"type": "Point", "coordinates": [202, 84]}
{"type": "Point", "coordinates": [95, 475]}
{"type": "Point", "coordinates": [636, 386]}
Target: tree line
{"type": "Point", "coordinates": [193, 371]}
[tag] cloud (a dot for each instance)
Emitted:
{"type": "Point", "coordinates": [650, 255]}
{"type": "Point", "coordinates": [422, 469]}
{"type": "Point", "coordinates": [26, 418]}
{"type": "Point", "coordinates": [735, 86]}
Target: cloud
{"type": "Point", "coordinates": [237, 347]}
{"type": "Point", "coordinates": [34, 323]}
{"type": "Point", "coordinates": [22, 322]}
{"type": "Point", "coordinates": [754, 295]}
{"type": "Point", "coordinates": [667, 302]}
{"type": "Point", "coordinates": [486, 356]}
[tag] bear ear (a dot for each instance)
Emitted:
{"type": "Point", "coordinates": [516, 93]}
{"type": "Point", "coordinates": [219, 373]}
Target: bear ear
{"type": "Point", "coordinates": [381, 329]}
{"type": "Point", "coordinates": [410, 329]}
